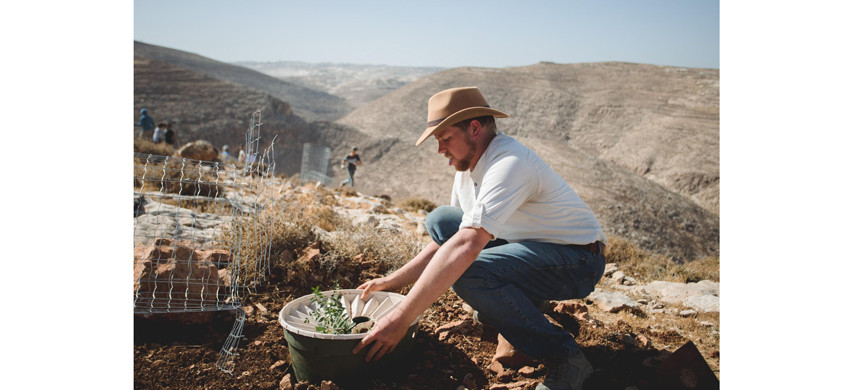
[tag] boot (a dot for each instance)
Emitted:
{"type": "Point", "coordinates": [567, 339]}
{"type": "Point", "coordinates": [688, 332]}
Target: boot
{"type": "Point", "coordinates": [567, 372]}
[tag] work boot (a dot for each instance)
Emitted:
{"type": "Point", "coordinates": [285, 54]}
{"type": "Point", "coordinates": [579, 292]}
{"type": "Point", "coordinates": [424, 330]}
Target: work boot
{"type": "Point", "coordinates": [567, 372]}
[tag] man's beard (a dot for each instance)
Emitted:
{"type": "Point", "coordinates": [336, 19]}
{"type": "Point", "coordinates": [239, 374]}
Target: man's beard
{"type": "Point", "coordinates": [463, 164]}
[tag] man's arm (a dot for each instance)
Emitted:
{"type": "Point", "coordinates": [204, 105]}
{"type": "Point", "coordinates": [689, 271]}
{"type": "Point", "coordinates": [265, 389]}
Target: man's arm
{"type": "Point", "coordinates": [446, 266]}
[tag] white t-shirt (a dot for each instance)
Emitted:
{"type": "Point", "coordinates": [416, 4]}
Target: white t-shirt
{"type": "Point", "coordinates": [516, 196]}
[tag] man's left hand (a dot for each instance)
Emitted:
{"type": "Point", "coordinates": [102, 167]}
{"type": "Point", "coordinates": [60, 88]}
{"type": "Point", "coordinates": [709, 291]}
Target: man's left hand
{"type": "Point", "coordinates": [383, 338]}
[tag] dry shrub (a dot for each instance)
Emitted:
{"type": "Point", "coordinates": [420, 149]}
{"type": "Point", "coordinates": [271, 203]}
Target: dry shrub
{"type": "Point", "coordinates": [178, 177]}
{"type": "Point", "coordinates": [416, 203]}
{"type": "Point", "coordinates": [145, 146]}
{"type": "Point", "coordinates": [247, 239]}
{"type": "Point", "coordinates": [388, 248]}
{"type": "Point", "coordinates": [647, 267]}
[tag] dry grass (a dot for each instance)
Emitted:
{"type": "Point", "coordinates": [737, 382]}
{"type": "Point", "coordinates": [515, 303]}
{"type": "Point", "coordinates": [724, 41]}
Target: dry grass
{"type": "Point", "coordinates": [646, 267]}
{"type": "Point", "coordinates": [141, 145]}
{"type": "Point", "coordinates": [415, 204]}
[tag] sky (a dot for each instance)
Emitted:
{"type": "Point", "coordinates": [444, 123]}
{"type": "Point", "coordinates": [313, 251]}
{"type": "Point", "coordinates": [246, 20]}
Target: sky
{"type": "Point", "coordinates": [441, 33]}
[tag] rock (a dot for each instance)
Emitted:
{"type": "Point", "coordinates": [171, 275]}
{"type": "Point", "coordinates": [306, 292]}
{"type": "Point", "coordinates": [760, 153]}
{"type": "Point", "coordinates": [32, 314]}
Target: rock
{"type": "Point", "coordinates": [496, 367]}
{"type": "Point", "coordinates": [172, 272]}
{"type": "Point", "coordinates": [677, 293]}
{"type": "Point", "coordinates": [198, 150]}
{"type": "Point", "coordinates": [278, 365]}
{"type": "Point", "coordinates": [508, 356]}
{"type": "Point", "coordinates": [618, 277]}
{"type": "Point", "coordinates": [328, 385]}
{"type": "Point", "coordinates": [629, 281]}
{"type": "Point", "coordinates": [610, 268]}
{"type": "Point", "coordinates": [688, 313]}
{"type": "Point", "coordinates": [575, 309]}
{"type": "Point", "coordinates": [704, 303]}
{"type": "Point", "coordinates": [261, 308]}
{"type": "Point", "coordinates": [445, 330]}
{"type": "Point", "coordinates": [614, 302]}
{"type": "Point", "coordinates": [285, 383]}
{"type": "Point", "coordinates": [528, 371]}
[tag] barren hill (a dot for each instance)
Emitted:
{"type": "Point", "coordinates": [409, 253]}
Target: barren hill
{"type": "Point", "coordinates": [358, 84]}
{"type": "Point", "coordinates": [308, 103]}
{"type": "Point", "coordinates": [658, 122]}
{"type": "Point", "coordinates": [640, 143]}
{"type": "Point", "coordinates": [202, 107]}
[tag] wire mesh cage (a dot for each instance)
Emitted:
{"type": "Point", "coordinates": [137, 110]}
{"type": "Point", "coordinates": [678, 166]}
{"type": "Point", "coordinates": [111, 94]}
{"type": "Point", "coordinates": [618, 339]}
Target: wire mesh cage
{"type": "Point", "coordinates": [314, 164]}
{"type": "Point", "coordinates": [202, 233]}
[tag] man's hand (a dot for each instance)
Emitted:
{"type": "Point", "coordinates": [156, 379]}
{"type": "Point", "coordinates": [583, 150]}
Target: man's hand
{"type": "Point", "coordinates": [384, 336]}
{"type": "Point", "coordinates": [377, 284]}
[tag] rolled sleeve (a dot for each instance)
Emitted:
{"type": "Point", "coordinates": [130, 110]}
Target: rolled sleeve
{"type": "Point", "coordinates": [478, 218]}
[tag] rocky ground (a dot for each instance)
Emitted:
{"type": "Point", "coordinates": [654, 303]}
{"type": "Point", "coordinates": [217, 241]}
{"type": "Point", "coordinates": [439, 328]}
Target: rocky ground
{"type": "Point", "coordinates": [637, 335]}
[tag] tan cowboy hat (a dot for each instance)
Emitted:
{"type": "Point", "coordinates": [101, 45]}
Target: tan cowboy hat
{"type": "Point", "coordinates": [454, 105]}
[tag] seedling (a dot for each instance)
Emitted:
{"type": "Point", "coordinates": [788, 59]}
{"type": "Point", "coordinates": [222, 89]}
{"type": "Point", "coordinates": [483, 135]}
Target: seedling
{"type": "Point", "coordinates": [330, 315]}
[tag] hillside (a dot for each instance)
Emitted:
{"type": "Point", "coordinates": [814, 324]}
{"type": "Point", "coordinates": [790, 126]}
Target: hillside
{"type": "Point", "coordinates": [661, 123]}
{"type": "Point", "coordinates": [639, 143]}
{"type": "Point", "coordinates": [358, 84]}
{"type": "Point", "coordinates": [309, 104]}
{"type": "Point", "coordinates": [634, 327]}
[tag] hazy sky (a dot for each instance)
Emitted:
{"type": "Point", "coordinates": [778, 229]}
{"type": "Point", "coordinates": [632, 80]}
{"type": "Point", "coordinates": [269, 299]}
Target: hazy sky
{"type": "Point", "coordinates": [437, 33]}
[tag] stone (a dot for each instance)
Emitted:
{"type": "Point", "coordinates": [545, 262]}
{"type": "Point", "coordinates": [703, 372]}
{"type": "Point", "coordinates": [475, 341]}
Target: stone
{"type": "Point", "coordinates": [704, 303]}
{"type": "Point", "coordinates": [688, 313]}
{"type": "Point", "coordinates": [172, 273]}
{"type": "Point", "coordinates": [677, 293]}
{"type": "Point", "coordinates": [610, 268]}
{"type": "Point", "coordinates": [528, 371]}
{"type": "Point", "coordinates": [328, 385]}
{"type": "Point", "coordinates": [618, 277]}
{"type": "Point", "coordinates": [198, 150]}
{"type": "Point", "coordinates": [445, 330]}
{"type": "Point", "coordinates": [278, 365]}
{"type": "Point", "coordinates": [614, 302]}
{"type": "Point", "coordinates": [508, 356]}
{"type": "Point", "coordinates": [285, 383]}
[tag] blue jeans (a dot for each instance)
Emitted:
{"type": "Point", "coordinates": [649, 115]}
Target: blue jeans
{"type": "Point", "coordinates": [507, 280]}
{"type": "Point", "coordinates": [350, 179]}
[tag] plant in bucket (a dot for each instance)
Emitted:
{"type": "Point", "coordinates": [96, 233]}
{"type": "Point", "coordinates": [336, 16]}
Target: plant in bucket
{"type": "Point", "coordinates": [323, 328]}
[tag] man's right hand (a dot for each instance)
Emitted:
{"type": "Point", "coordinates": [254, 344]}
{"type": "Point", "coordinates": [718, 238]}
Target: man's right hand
{"type": "Point", "coordinates": [377, 284]}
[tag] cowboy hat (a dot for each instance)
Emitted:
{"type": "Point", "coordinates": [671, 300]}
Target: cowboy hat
{"type": "Point", "coordinates": [454, 105]}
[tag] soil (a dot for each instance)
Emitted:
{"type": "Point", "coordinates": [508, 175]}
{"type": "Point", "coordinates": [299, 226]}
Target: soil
{"type": "Point", "coordinates": [170, 353]}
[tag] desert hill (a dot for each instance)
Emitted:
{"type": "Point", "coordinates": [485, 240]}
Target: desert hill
{"type": "Point", "coordinates": [308, 103]}
{"type": "Point", "coordinates": [202, 107]}
{"type": "Point", "coordinates": [658, 122]}
{"type": "Point", "coordinates": [638, 142]}
{"type": "Point", "coordinates": [358, 84]}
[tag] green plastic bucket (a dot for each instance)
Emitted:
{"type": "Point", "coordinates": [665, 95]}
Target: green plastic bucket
{"type": "Point", "coordinates": [317, 356]}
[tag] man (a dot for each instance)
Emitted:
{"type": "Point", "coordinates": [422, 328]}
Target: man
{"type": "Point", "coordinates": [157, 133]}
{"type": "Point", "coordinates": [146, 123]}
{"type": "Point", "coordinates": [516, 234]}
{"type": "Point", "coordinates": [353, 161]}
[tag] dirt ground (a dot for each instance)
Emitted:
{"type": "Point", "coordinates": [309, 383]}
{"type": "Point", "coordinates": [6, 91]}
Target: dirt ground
{"type": "Point", "coordinates": [173, 355]}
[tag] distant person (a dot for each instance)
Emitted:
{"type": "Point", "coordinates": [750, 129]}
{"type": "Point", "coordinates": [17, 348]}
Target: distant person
{"type": "Point", "coordinates": [352, 161]}
{"type": "Point", "coordinates": [514, 236]}
{"type": "Point", "coordinates": [146, 123]}
{"type": "Point", "coordinates": [241, 155]}
{"type": "Point", "coordinates": [225, 152]}
{"type": "Point", "coordinates": [158, 132]}
{"type": "Point", "coordinates": [169, 135]}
